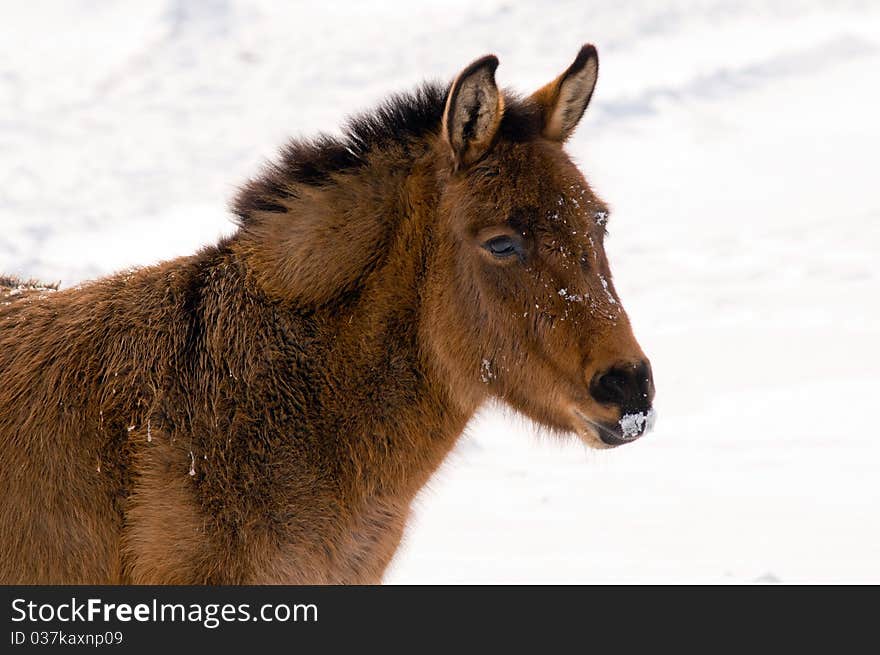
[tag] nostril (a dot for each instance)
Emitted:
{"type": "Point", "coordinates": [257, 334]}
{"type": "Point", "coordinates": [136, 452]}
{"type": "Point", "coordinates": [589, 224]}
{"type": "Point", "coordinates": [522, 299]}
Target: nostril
{"type": "Point", "coordinates": [610, 387]}
{"type": "Point", "coordinates": [614, 383]}
{"type": "Point", "coordinates": [628, 386]}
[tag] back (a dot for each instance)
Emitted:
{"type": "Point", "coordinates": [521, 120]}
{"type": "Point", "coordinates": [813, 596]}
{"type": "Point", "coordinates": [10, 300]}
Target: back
{"type": "Point", "coordinates": [64, 451]}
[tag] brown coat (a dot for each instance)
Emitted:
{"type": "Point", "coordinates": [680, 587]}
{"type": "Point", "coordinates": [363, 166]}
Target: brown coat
{"type": "Point", "coordinates": [264, 411]}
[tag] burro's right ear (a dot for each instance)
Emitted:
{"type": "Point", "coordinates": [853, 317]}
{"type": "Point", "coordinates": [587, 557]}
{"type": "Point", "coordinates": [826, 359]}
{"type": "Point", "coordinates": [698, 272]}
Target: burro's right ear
{"type": "Point", "coordinates": [473, 111]}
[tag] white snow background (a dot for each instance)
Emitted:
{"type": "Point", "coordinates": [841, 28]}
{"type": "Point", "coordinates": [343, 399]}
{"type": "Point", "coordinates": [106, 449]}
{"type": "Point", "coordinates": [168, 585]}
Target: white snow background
{"type": "Point", "coordinates": [737, 143]}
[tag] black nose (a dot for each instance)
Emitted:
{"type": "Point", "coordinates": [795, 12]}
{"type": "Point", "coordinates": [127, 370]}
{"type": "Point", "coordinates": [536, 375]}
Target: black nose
{"type": "Point", "coordinates": [629, 386]}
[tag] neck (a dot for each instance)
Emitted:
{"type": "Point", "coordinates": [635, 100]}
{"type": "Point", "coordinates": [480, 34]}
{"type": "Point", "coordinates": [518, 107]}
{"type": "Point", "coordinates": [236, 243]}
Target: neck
{"type": "Point", "coordinates": [383, 404]}
{"type": "Point", "coordinates": [410, 415]}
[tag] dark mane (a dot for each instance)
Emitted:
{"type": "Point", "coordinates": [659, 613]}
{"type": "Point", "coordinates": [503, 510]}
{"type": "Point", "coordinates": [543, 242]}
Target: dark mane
{"type": "Point", "coordinates": [10, 282]}
{"type": "Point", "coordinates": [402, 119]}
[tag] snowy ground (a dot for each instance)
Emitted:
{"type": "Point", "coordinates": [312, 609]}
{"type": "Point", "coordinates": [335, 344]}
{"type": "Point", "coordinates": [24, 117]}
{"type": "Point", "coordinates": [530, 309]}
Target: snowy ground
{"type": "Point", "coordinates": [737, 143]}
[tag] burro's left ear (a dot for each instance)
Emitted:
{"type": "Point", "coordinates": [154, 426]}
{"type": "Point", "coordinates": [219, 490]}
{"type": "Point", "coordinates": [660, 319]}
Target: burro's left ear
{"type": "Point", "coordinates": [565, 99]}
{"type": "Point", "coordinates": [473, 111]}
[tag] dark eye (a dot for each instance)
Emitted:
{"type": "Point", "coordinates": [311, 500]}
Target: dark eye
{"type": "Point", "coordinates": [585, 262]}
{"type": "Point", "coordinates": [502, 246]}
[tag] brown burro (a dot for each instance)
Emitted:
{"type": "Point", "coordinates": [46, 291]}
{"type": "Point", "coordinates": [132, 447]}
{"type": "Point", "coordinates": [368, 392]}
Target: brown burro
{"type": "Point", "coordinates": [265, 410]}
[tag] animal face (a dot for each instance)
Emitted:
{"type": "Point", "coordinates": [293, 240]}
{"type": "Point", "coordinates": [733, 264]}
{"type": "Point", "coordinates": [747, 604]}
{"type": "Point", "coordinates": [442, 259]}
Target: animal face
{"type": "Point", "coordinates": [534, 316]}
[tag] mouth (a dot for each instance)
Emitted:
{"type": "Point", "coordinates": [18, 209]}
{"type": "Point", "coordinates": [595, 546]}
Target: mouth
{"type": "Point", "coordinates": [629, 428]}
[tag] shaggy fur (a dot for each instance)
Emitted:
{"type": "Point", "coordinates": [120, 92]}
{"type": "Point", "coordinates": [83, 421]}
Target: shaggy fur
{"type": "Point", "coordinates": [265, 411]}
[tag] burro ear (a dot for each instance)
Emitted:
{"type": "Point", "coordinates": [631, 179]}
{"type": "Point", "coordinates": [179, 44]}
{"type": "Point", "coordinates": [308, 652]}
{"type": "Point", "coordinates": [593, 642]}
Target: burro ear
{"type": "Point", "coordinates": [565, 99]}
{"type": "Point", "coordinates": [473, 111]}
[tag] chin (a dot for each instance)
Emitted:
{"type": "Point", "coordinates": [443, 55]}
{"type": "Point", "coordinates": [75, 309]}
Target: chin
{"type": "Point", "coordinates": [591, 439]}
